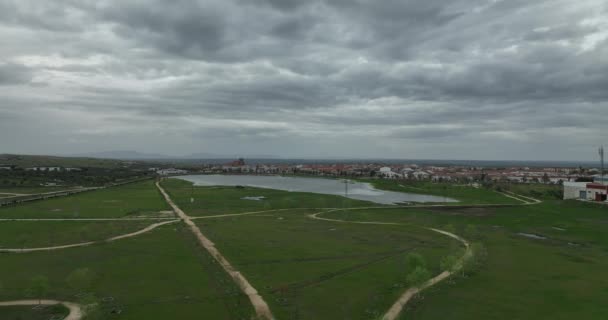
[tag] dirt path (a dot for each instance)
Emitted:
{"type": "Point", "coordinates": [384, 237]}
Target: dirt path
{"type": "Point", "coordinates": [261, 307]}
{"type": "Point", "coordinates": [86, 219]}
{"type": "Point", "coordinates": [530, 200]}
{"type": "Point", "coordinates": [248, 213]}
{"type": "Point", "coordinates": [397, 307]}
{"type": "Point", "coordinates": [75, 309]}
{"type": "Point", "coordinates": [83, 244]}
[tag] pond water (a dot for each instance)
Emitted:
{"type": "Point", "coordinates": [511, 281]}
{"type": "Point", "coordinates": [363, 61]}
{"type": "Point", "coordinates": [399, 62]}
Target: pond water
{"type": "Point", "coordinates": [356, 190]}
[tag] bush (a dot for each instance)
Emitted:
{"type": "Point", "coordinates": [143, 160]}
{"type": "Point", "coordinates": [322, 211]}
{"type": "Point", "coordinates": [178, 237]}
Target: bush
{"type": "Point", "coordinates": [418, 277]}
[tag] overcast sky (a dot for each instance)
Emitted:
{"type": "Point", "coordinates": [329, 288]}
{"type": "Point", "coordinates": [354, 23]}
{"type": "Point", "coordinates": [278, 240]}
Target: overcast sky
{"type": "Point", "coordinates": [459, 79]}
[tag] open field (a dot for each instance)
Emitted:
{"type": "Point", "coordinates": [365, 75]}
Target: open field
{"type": "Point", "coordinates": [31, 313]}
{"type": "Point", "coordinates": [312, 269]}
{"type": "Point", "coordinates": [538, 191]}
{"type": "Point", "coordinates": [560, 277]}
{"type": "Point", "coordinates": [132, 200]}
{"type": "Point", "coordinates": [32, 190]}
{"type": "Point", "coordinates": [222, 200]}
{"type": "Point", "coordinates": [545, 260]}
{"type": "Point", "coordinates": [159, 275]}
{"type": "Point", "coordinates": [27, 234]}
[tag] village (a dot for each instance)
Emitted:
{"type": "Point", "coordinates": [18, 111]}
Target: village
{"type": "Point", "coordinates": [455, 174]}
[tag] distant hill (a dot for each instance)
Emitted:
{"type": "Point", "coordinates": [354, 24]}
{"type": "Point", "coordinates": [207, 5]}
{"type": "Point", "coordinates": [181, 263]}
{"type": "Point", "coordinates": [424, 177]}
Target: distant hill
{"type": "Point", "coordinates": [122, 155]}
{"type": "Point", "coordinates": [25, 161]}
{"type": "Point", "coordinates": [135, 155]}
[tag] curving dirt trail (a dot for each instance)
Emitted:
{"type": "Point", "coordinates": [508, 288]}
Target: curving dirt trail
{"type": "Point", "coordinates": [82, 244]}
{"type": "Point", "coordinates": [397, 307]}
{"type": "Point", "coordinates": [76, 312]}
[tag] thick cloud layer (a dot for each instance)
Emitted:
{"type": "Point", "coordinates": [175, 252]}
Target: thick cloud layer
{"type": "Point", "coordinates": [472, 79]}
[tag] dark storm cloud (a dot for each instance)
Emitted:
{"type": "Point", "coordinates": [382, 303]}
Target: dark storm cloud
{"type": "Point", "coordinates": [12, 74]}
{"type": "Point", "coordinates": [351, 77]}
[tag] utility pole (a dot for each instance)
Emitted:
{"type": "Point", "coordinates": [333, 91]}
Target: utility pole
{"type": "Point", "coordinates": [345, 181]}
{"type": "Point", "coordinates": [601, 150]}
{"type": "Point", "coordinates": [192, 193]}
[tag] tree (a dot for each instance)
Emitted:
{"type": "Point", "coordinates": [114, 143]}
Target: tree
{"type": "Point", "coordinates": [39, 286]}
{"type": "Point", "coordinates": [418, 277]}
{"type": "Point", "coordinates": [80, 279]}
{"type": "Point", "coordinates": [91, 307]}
{"type": "Point", "coordinates": [449, 263]}
{"type": "Point", "coordinates": [475, 259]}
{"type": "Point", "coordinates": [415, 260]}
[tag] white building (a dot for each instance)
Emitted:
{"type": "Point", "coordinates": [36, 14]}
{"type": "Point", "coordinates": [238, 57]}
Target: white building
{"type": "Point", "coordinates": [165, 172]}
{"type": "Point", "coordinates": [575, 190]}
{"type": "Point", "coordinates": [585, 191]}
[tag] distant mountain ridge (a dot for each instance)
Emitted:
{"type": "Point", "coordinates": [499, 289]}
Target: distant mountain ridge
{"type": "Point", "coordinates": [136, 155]}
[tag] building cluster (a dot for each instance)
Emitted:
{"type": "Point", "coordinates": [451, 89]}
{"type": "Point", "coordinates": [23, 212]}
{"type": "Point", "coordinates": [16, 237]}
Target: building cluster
{"type": "Point", "coordinates": [168, 171]}
{"type": "Point", "coordinates": [41, 169]}
{"type": "Point", "coordinates": [461, 174]}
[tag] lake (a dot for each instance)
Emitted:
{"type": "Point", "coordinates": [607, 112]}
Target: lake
{"type": "Point", "coordinates": [356, 190]}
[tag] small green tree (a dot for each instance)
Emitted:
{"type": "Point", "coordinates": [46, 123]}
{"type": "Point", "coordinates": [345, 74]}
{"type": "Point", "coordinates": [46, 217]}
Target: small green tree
{"type": "Point", "coordinates": [80, 279]}
{"type": "Point", "coordinates": [473, 261]}
{"type": "Point", "coordinates": [418, 277]}
{"type": "Point", "coordinates": [415, 260]}
{"type": "Point", "coordinates": [39, 286]}
{"type": "Point", "coordinates": [91, 307]}
{"type": "Point", "coordinates": [449, 263]}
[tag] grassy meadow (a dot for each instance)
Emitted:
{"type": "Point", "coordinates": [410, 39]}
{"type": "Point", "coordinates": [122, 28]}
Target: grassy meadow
{"type": "Point", "coordinates": [34, 312]}
{"type": "Point", "coordinates": [559, 277]}
{"type": "Point", "coordinates": [31, 234]}
{"type": "Point", "coordinates": [131, 200]}
{"type": "Point", "coordinates": [311, 269]}
{"type": "Point", "coordinates": [159, 275]}
{"type": "Point", "coordinates": [544, 261]}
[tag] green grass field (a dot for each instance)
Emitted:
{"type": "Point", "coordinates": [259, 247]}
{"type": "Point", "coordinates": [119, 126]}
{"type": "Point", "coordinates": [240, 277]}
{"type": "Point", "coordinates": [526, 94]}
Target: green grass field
{"type": "Point", "coordinates": [28, 234]}
{"type": "Point", "coordinates": [32, 190]}
{"type": "Point", "coordinates": [311, 269]}
{"type": "Point", "coordinates": [34, 312]}
{"type": "Point", "coordinates": [157, 276]}
{"type": "Point", "coordinates": [136, 199]}
{"type": "Point", "coordinates": [560, 277]}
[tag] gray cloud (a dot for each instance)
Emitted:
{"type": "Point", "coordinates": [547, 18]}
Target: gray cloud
{"type": "Point", "coordinates": [11, 74]}
{"type": "Point", "coordinates": [471, 78]}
